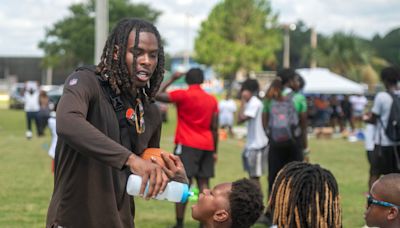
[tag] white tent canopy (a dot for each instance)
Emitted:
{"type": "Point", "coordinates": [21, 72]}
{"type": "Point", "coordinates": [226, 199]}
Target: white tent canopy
{"type": "Point", "coordinates": [323, 81]}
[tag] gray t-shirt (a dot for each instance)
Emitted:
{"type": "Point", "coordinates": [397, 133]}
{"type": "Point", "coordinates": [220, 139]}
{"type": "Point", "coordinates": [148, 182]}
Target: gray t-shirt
{"type": "Point", "coordinates": [381, 107]}
{"type": "Point", "coordinates": [256, 138]}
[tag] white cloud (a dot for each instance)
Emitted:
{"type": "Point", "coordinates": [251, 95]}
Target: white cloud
{"type": "Point", "coordinates": [23, 22]}
{"type": "Point", "coordinates": [363, 17]}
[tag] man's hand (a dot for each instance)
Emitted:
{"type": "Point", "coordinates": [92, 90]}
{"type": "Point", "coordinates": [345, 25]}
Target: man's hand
{"type": "Point", "coordinates": [151, 173]}
{"type": "Point", "coordinates": [174, 168]}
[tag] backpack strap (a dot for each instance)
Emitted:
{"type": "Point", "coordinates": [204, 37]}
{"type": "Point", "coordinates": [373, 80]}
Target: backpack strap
{"type": "Point", "coordinates": [127, 132]}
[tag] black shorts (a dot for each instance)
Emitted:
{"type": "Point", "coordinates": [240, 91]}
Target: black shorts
{"type": "Point", "coordinates": [198, 163]}
{"type": "Point", "coordinates": [384, 160]}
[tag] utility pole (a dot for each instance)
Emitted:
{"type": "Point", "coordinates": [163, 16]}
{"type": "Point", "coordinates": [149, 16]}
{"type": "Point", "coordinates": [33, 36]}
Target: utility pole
{"type": "Point", "coordinates": [286, 44]}
{"type": "Point", "coordinates": [186, 55]}
{"type": "Point", "coordinates": [101, 28]}
{"type": "Point", "coordinates": [313, 43]}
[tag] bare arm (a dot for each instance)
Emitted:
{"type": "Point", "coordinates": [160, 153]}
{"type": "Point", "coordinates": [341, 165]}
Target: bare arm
{"type": "Point", "coordinates": [265, 119]}
{"type": "Point", "coordinates": [214, 130]}
{"type": "Point", "coordinates": [162, 94]}
{"type": "Point", "coordinates": [303, 126]}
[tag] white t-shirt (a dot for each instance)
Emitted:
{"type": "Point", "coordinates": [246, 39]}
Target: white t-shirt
{"type": "Point", "coordinates": [256, 138]}
{"type": "Point", "coordinates": [358, 102]}
{"type": "Point", "coordinates": [381, 107]}
{"type": "Point", "coordinates": [31, 101]}
{"type": "Point", "coordinates": [226, 110]}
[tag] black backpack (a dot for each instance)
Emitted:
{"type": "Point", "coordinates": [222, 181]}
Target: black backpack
{"type": "Point", "coordinates": [392, 129]}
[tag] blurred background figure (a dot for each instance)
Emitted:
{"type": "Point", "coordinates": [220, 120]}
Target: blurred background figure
{"type": "Point", "coordinates": [358, 103]}
{"type": "Point", "coordinates": [255, 153]}
{"type": "Point", "coordinates": [285, 115]}
{"type": "Point", "coordinates": [322, 106]}
{"type": "Point", "coordinates": [31, 106]}
{"type": "Point", "coordinates": [44, 112]}
{"type": "Point", "coordinates": [336, 113]}
{"type": "Point", "coordinates": [347, 114]}
{"type": "Point", "coordinates": [53, 131]}
{"type": "Point", "coordinates": [227, 108]}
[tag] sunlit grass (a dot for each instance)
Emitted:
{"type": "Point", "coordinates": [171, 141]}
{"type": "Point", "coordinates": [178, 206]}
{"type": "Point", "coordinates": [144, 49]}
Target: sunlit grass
{"type": "Point", "coordinates": [26, 179]}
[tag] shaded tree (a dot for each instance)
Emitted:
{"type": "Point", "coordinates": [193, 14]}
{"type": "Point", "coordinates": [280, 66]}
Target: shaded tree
{"type": "Point", "coordinates": [71, 40]}
{"type": "Point", "coordinates": [344, 54]}
{"type": "Point", "coordinates": [238, 35]}
{"type": "Point", "coordinates": [388, 47]}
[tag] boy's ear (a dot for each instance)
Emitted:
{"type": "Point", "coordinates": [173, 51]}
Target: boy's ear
{"type": "Point", "coordinates": [393, 213]}
{"type": "Point", "coordinates": [221, 215]}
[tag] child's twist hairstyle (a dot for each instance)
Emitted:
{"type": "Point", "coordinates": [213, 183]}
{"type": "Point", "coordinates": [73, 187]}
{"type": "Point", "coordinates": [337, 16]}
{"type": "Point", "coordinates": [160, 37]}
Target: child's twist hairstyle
{"type": "Point", "coordinates": [305, 195]}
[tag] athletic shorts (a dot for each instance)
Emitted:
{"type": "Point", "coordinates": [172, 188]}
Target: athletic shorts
{"type": "Point", "coordinates": [255, 161]}
{"type": "Point", "coordinates": [384, 161]}
{"type": "Point", "coordinates": [198, 163]}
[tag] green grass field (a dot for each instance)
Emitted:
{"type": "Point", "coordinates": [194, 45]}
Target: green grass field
{"type": "Point", "coordinates": [26, 180]}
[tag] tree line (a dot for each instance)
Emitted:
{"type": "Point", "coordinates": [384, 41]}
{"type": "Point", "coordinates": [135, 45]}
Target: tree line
{"type": "Point", "coordinates": [237, 36]}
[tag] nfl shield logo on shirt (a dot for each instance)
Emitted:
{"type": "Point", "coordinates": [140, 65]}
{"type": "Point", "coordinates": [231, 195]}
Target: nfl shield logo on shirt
{"type": "Point", "coordinates": [73, 81]}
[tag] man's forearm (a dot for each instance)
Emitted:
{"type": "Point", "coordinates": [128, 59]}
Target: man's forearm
{"type": "Point", "coordinates": [162, 95]}
{"type": "Point", "coordinates": [165, 85]}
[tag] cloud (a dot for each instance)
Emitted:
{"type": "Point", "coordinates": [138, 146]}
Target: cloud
{"type": "Point", "coordinates": [363, 17]}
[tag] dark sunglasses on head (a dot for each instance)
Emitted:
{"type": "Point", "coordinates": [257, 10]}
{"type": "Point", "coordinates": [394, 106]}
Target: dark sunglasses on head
{"type": "Point", "coordinates": [371, 200]}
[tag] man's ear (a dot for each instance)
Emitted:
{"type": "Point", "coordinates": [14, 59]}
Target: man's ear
{"type": "Point", "coordinates": [116, 52]}
{"type": "Point", "coordinates": [221, 215]}
{"type": "Point", "coordinates": [393, 213]}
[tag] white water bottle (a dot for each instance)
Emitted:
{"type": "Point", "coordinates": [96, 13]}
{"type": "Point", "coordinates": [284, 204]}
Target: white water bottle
{"type": "Point", "coordinates": [174, 192]}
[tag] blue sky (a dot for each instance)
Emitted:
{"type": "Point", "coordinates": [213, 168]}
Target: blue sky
{"type": "Point", "coordinates": [23, 22]}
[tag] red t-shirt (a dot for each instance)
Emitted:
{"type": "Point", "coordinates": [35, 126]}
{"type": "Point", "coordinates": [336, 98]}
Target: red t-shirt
{"type": "Point", "coordinates": [195, 111]}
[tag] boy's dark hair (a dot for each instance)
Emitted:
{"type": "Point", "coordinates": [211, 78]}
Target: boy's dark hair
{"type": "Point", "coordinates": [286, 75]}
{"type": "Point", "coordinates": [302, 82]}
{"type": "Point", "coordinates": [194, 76]}
{"type": "Point", "coordinates": [390, 75]}
{"type": "Point", "coordinates": [251, 85]}
{"type": "Point", "coordinates": [246, 203]}
{"type": "Point", "coordinates": [116, 70]}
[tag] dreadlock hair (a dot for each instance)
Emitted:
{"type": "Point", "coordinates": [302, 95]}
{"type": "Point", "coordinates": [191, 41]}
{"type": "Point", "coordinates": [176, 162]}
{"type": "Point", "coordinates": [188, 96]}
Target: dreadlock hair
{"type": "Point", "coordinates": [246, 203]}
{"type": "Point", "coordinates": [305, 195]}
{"type": "Point", "coordinates": [116, 70]}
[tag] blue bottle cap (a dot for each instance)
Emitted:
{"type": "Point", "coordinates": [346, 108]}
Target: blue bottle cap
{"type": "Point", "coordinates": [186, 193]}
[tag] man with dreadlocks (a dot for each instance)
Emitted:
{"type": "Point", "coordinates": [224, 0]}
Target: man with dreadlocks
{"type": "Point", "coordinates": [105, 119]}
{"type": "Point", "coordinates": [305, 195]}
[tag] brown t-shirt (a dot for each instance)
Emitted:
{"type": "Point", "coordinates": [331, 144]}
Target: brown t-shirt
{"type": "Point", "coordinates": [90, 176]}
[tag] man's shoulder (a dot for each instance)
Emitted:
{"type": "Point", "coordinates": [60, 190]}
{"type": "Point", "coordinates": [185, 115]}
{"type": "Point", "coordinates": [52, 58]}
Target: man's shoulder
{"type": "Point", "coordinates": [81, 76]}
{"type": "Point", "coordinates": [382, 96]}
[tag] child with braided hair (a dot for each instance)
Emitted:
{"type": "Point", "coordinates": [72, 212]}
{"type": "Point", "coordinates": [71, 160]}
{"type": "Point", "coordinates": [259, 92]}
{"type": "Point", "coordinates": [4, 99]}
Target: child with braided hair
{"type": "Point", "coordinates": [305, 195]}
